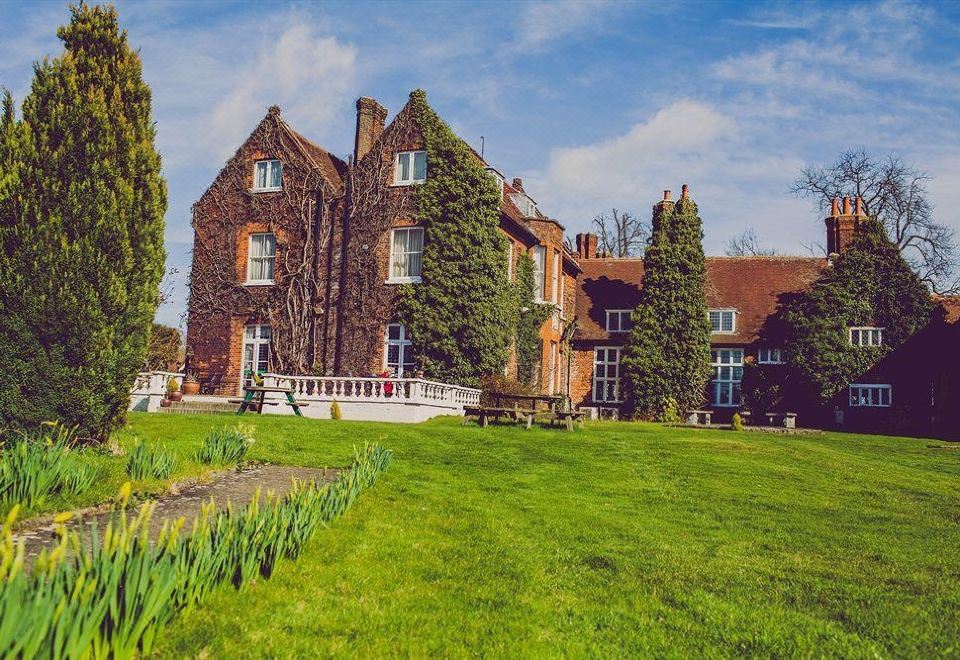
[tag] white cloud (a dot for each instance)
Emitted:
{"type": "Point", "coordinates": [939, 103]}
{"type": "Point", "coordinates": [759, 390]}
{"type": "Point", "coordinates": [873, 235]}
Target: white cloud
{"type": "Point", "coordinates": [541, 23]}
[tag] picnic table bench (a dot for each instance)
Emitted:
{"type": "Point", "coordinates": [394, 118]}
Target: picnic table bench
{"type": "Point", "coordinates": [253, 399]}
{"type": "Point", "coordinates": [522, 408]}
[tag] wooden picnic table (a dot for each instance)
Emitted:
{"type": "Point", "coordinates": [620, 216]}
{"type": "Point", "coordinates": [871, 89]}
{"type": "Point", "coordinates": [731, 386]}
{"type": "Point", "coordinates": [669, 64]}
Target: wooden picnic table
{"type": "Point", "coordinates": [521, 408]}
{"type": "Point", "coordinates": [253, 399]}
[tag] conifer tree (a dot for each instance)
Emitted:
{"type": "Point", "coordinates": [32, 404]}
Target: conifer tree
{"type": "Point", "coordinates": [81, 246]}
{"type": "Point", "coordinates": [666, 365]}
{"type": "Point", "coordinates": [870, 284]}
{"type": "Point", "coordinates": [462, 314]}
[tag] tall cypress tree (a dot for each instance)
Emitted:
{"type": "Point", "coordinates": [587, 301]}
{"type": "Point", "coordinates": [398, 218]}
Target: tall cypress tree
{"type": "Point", "coordinates": [870, 284]}
{"type": "Point", "coordinates": [462, 315]}
{"type": "Point", "coordinates": [667, 357]}
{"type": "Point", "coordinates": [82, 247]}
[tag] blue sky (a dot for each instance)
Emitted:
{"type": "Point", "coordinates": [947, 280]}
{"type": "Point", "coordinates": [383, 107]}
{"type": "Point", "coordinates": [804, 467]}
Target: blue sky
{"type": "Point", "coordinates": [596, 105]}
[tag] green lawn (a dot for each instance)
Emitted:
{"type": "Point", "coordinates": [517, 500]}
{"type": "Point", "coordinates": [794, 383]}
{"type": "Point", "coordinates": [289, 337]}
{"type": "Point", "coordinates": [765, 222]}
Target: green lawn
{"type": "Point", "coordinates": [620, 539]}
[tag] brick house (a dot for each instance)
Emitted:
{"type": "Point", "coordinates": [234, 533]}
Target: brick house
{"type": "Point", "coordinates": [298, 254]}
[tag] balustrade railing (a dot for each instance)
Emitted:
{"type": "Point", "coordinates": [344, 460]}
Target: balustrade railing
{"type": "Point", "coordinates": [345, 388]}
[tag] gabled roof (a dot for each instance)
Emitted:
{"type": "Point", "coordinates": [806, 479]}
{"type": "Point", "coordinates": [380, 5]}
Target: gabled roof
{"type": "Point", "coordinates": [334, 170]}
{"type": "Point", "coordinates": [754, 286]}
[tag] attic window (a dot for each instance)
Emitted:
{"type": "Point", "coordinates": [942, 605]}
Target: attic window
{"type": "Point", "coordinates": [496, 177]}
{"type": "Point", "coordinates": [526, 205]}
{"type": "Point", "coordinates": [266, 175]}
{"type": "Point", "coordinates": [410, 167]}
{"type": "Point", "coordinates": [723, 320]}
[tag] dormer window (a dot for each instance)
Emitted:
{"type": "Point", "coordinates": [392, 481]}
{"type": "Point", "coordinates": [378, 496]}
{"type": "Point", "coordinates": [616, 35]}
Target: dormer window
{"type": "Point", "coordinates": [266, 175]}
{"type": "Point", "coordinates": [496, 177]}
{"type": "Point", "coordinates": [410, 167]}
{"type": "Point", "coordinates": [619, 320]}
{"type": "Point", "coordinates": [723, 321]}
{"type": "Point", "coordinates": [866, 336]}
{"type": "Point", "coordinates": [526, 205]}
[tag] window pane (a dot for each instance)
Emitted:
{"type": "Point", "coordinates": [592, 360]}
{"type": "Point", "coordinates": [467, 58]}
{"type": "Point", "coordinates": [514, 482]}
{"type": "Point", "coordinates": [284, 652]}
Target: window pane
{"type": "Point", "coordinates": [728, 321]}
{"type": "Point", "coordinates": [275, 171]}
{"type": "Point", "coordinates": [404, 165]}
{"type": "Point", "coordinates": [261, 175]}
{"type": "Point", "coordinates": [420, 166]}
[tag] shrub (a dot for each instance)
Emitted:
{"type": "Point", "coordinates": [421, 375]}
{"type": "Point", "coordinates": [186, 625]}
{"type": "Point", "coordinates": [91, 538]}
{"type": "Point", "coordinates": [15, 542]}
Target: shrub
{"type": "Point", "coordinates": [35, 466]}
{"type": "Point", "coordinates": [736, 422]}
{"type": "Point", "coordinates": [670, 412]}
{"type": "Point", "coordinates": [172, 385]}
{"type": "Point", "coordinates": [145, 464]}
{"type": "Point", "coordinates": [335, 412]}
{"type": "Point", "coordinates": [225, 446]}
{"type": "Point", "coordinates": [111, 598]}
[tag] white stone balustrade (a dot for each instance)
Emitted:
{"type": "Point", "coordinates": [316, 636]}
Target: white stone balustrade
{"type": "Point", "coordinates": [149, 388]}
{"type": "Point", "coordinates": [371, 399]}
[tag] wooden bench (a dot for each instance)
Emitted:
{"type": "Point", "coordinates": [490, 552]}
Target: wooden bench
{"type": "Point", "coordinates": [694, 417]}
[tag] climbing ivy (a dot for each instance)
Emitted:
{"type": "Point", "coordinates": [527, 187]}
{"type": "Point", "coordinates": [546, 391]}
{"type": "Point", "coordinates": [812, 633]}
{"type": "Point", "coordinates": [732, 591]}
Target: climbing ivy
{"type": "Point", "coordinates": [530, 319]}
{"type": "Point", "coordinates": [870, 284]}
{"type": "Point", "coordinates": [462, 315]}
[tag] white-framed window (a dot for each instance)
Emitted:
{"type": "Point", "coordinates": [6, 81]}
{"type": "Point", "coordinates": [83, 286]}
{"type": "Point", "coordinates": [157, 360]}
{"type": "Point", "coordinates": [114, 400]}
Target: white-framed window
{"type": "Point", "coordinates": [526, 205]}
{"type": "Point", "coordinates": [555, 278]}
{"type": "Point", "coordinates": [261, 256]}
{"type": "Point", "coordinates": [870, 396]}
{"type": "Point", "coordinates": [723, 320]}
{"type": "Point", "coordinates": [266, 175]}
{"type": "Point", "coordinates": [866, 336]}
{"type": "Point", "coordinates": [539, 272]}
{"type": "Point", "coordinates": [606, 374]}
{"type": "Point", "coordinates": [256, 350]}
{"type": "Point", "coordinates": [770, 356]}
{"type": "Point", "coordinates": [409, 167]}
{"type": "Point", "coordinates": [727, 374]}
{"type": "Point", "coordinates": [397, 352]}
{"type": "Point", "coordinates": [406, 254]}
{"type": "Point", "coordinates": [619, 320]}
{"type": "Point", "coordinates": [498, 178]}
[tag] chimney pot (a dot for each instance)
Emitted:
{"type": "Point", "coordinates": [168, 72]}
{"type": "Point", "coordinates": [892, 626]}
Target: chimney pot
{"type": "Point", "coordinates": [518, 183]}
{"type": "Point", "coordinates": [370, 119]}
{"type": "Point", "coordinates": [858, 208]}
{"type": "Point", "coordinates": [835, 207]}
{"type": "Point", "coordinates": [684, 191]}
{"type": "Point", "coordinates": [846, 206]}
{"type": "Point", "coordinates": [667, 195]}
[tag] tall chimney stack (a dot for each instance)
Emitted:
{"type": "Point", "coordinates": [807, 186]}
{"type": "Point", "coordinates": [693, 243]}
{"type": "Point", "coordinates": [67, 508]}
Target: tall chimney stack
{"type": "Point", "coordinates": [370, 119]}
{"type": "Point", "coordinates": [667, 195]}
{"type": "Point", "coordinates": [587, 245]}
{"type": "Point", "coordinates": [684, 191]}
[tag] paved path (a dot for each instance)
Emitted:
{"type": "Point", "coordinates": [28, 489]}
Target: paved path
{"type": "Point", "coordinates": [233, 486]}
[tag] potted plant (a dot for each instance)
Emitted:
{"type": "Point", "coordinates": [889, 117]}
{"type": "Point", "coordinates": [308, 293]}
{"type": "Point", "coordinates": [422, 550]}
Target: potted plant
{"type": "Point", "coordinates": [173, 390]}
{"type": "Point", "coordinates": [191, 384]}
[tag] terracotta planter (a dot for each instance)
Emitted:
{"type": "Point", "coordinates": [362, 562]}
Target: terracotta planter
{"type": "Point", "coordinates": [164, 403]}
{"type": "Point", "coordinates": [175, 396]}
{"type": "Point", "coordinates": [190, 387]}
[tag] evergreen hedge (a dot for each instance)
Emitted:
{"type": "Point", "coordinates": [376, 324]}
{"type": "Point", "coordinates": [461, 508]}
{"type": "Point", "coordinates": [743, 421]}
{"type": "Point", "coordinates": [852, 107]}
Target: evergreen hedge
{"type": "Point", "coordinates": [81, 232]}
{"type": "Point", "coordinates": [666, 365]}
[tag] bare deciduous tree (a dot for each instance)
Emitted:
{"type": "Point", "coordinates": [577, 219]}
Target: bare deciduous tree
{"type": "Point", "coordinates": [621, 234]}
{"type": "Point", "coordinates": [896, 194]}
{"type": "Point", "coordinates": [746, 244]}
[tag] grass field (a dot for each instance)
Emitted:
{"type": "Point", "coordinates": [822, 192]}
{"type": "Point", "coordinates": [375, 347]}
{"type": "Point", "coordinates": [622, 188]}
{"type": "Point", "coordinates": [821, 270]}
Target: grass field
{"type": "Point", "coordinates": [619, 539]}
